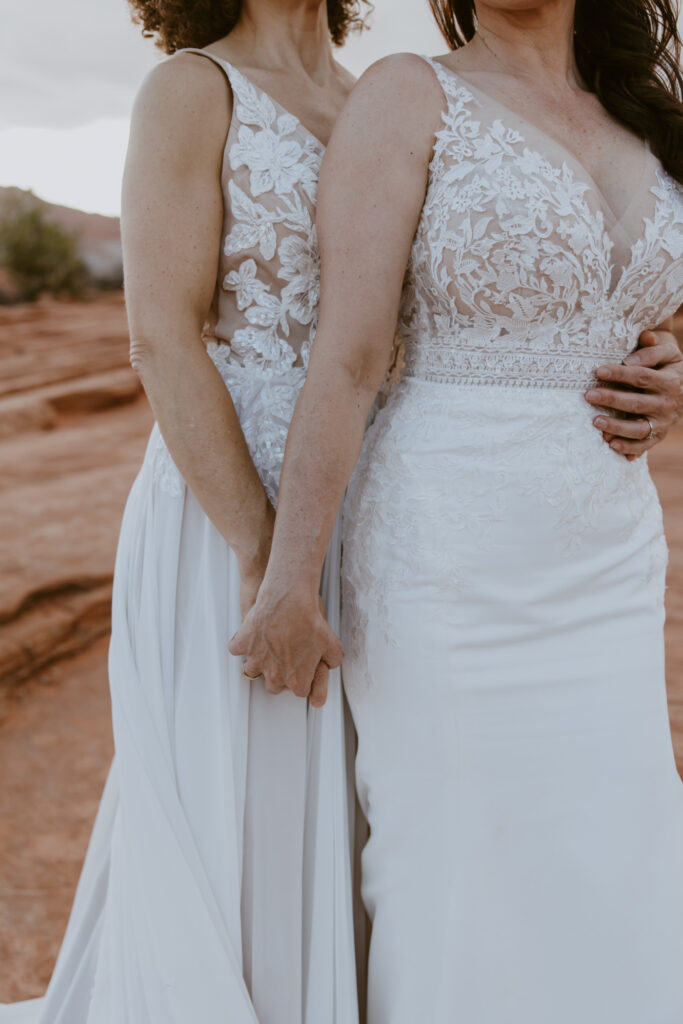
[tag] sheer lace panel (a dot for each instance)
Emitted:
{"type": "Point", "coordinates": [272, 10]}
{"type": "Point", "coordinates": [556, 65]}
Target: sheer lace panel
{"type": "Point", "coordinates": [264, 311]}
{"type": "Point", "coordinates": [513, 277]}
{"type": "Point", "coordinates": [266, 301]}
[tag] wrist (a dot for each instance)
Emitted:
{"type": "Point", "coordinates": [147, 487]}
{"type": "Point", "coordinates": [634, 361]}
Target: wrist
{"type": "Point", "coordinates": [253, 549]}
{"type": "Point", "coordinates": [300, 584]}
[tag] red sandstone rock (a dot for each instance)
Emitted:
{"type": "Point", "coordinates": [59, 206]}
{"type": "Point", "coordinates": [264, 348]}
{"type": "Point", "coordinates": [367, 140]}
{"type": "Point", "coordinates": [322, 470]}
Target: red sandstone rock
{"type": "Point", "coordinates": [63, 492]}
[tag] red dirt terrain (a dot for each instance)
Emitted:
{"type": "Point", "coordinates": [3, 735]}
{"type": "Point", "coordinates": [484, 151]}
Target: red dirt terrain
{"type": "Point", "coordinates": [73, 427]}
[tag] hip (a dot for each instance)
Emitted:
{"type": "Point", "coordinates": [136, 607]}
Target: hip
{"type": "Point", "coordinates": [457, 486]}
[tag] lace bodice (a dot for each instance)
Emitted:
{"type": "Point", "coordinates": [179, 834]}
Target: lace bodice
{"type": "Point", "coordinates": [512, 277]}
{"type": "Point", "coordinates": [264, 311]}
{"type": "Point", "coordinates": [267, 292]}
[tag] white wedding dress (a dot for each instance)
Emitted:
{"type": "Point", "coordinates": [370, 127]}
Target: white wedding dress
{"type": "Point", "coordinates": [217, 885]}
{"type": "Point", "coordinates": [503, 581]}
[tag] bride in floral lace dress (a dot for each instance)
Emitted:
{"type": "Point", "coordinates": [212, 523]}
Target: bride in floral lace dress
{"type": "Point", "coordinates": [503, 568]}
{"type": "Point", "coordinates": [217, 885]}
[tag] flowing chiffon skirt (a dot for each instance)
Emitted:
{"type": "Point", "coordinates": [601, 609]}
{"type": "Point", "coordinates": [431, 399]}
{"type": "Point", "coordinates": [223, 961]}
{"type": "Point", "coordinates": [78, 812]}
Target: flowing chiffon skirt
{"type": "Point", "coordinates": [217, 883]}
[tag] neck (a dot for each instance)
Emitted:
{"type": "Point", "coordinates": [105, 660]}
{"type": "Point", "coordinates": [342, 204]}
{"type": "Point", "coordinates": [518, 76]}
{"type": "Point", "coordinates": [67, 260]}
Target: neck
{"type": "Point", "coordinates": [286, 35]}
{"type": "Point", "coordinates": [537, 42]}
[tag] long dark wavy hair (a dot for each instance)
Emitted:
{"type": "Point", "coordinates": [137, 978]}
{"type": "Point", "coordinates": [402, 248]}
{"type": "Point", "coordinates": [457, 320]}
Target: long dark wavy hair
{"type": "Point", "coordinates": [627, 51]}
{"type": "Point", "coordinates": [175, 24]}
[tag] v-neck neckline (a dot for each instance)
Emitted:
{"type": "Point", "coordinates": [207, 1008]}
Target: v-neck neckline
{"type": "Point", "coordinates": [618, 276]}
{"type": "Point", "coordinates": [269, 96]}
{"type": "Point", "coordinates": [603, 203]}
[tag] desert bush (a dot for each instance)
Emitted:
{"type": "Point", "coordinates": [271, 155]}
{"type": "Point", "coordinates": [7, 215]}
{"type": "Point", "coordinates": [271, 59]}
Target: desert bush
{"type": "Point", "coordinates": [39, 255]}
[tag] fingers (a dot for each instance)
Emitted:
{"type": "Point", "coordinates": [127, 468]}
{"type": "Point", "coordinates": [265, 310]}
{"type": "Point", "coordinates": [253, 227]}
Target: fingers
{"type": "Point", "coordinates": [633, 430]}
{"type": "Point", "coordinates": [274, 683]}
{"type": "Point", "coordinates": [639, 376]}
{"type": "Point", "coordinates": [287, 649]}
{"type": "Point", "coordinates": [239, 644]}
{"type": "Point", "coordinates": [656, 349]}
{"type": "Point", "coordinates": [334, 654]}
{"type": "Point", "coordinates": [656, 355]}
{"type": "Point", "coordinates": [636, 403]}
{"type": "Point", "coordinates": [318, 694]}
{"type": "Point", "coordinates": [632, 449]}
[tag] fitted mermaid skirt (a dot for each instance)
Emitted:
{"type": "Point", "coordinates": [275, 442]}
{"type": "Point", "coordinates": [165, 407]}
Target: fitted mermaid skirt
{"type": "Point", "coordinates": [503, 581]}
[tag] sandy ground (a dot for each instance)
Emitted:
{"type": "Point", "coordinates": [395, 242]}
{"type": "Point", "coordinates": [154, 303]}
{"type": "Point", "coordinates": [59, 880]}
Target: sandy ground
{"type": "Point", "coordinates": [67, 463]}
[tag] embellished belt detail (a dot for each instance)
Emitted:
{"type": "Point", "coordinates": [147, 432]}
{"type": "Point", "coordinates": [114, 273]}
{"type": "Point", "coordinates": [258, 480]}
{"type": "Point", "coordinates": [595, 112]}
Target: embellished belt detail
{"type": "Point", "coordinates": [451, 365]}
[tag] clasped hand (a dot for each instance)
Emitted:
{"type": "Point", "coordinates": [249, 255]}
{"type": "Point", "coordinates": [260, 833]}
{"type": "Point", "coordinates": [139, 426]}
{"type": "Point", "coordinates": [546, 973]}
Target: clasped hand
{"type": "Point", "coordinates": [286, 639]}
{"type": "Point", "coordinates": [642, 397]}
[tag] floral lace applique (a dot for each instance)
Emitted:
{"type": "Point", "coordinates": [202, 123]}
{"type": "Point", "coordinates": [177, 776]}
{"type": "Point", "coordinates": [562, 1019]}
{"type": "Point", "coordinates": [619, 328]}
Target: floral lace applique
{"type": "Point", "coordinates": [510, 278]}
{"type": "Point", "coordinates": [275, 217]}
{"type": "Point", "coordinates": [269, 284]}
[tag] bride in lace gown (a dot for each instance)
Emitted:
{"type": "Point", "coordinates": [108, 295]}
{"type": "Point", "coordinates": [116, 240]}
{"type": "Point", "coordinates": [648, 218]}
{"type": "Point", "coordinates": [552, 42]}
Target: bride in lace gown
{"type": "Point", "coordinates": [503, 568]}
{"type": "Point", "coordinates": [217, 885]}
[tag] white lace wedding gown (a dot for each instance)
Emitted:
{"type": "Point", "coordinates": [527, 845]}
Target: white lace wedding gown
{"type": "Point", "coordinates": [217, 883]}
{"type": "Point", "coordinates": [503, 580]}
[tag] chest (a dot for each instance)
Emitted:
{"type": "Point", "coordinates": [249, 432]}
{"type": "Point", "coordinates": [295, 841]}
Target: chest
{"type": "Point", "coordinates": [516, 232]}
{"type": "Point", "coordinates": [570, 126]}
{"type": "Point", "coordinates": [315, 107]}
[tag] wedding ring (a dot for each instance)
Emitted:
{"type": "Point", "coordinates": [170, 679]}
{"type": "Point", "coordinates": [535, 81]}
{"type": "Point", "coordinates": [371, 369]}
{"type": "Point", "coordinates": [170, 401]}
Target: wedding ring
{"type": "Point", "coordinates": [652, 429]}
{"type": "Point", "coordinates": [247, 676]}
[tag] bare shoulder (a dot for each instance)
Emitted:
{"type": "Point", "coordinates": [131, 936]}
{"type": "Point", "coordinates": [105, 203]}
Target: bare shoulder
{"type": "Point", "coordinates": [186, 96]}
{"type": "Point", "coordinates": [395, 106]}
{"type": "Point", "coordinates": [406, 78]}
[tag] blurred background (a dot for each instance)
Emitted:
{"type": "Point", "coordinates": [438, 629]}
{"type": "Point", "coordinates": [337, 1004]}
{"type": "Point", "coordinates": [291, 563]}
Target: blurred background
{"type": "Point", "coordinates": [73, 426]}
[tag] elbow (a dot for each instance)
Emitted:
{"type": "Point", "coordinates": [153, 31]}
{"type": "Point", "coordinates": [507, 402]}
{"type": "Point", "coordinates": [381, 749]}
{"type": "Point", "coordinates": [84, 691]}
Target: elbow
{"type": "Point", "coordinates": [142, 356]}
{"type": "Point", "coordinates": [369, 369]}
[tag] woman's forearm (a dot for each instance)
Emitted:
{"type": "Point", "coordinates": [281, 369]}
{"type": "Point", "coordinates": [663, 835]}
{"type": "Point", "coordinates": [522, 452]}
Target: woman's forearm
{"type": "Point", "coordinates": [322, 448]}
{"type": "Point", "coordinates": [171, 226]}
{"type": "Point", "coordinates": [200, 427]}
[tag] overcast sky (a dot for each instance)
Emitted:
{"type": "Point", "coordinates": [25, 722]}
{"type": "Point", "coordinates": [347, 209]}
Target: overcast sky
{"type": "Point", "coordinates": [69, 70]}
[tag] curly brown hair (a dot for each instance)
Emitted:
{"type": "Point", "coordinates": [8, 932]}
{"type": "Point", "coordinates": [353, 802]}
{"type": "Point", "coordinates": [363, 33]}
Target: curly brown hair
{"type": "Point", "coordinates": [628, 51]}
{"type": "Point", "coordinates": [175, 24]}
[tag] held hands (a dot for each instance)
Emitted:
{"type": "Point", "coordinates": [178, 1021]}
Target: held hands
{"type": "Point", "coordinates": [644, 395]}
{"type": "Point", "coordinates": [286, 639]}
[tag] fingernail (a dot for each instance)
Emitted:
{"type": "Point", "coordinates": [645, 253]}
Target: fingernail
{"type": "Point", "coordinates": [617, 446]}
{"type": "Point", "coordinates": [600, 422]}
{"type": "Point", "coordinates": [633, 358]}
{"type": "Point", "coordinates": [604, 372]}
{"type": "Point", "coordinates": [593, 395]}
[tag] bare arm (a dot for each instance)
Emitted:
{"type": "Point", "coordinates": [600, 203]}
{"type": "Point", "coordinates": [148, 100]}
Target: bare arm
{"type": "Point", "coordinates": [372, 190]}
{"type": "Point", "coordinates": [171, 225]}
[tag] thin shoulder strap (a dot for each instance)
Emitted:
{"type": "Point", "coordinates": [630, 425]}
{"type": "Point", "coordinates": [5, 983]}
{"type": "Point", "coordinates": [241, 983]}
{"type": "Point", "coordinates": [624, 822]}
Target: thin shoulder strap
{"type": "Point", "coordinates": [228, 70]}
{"type": "Point", "coordinates": [447, 79]}
{"type": "Point", "coordinates": [251, 102]}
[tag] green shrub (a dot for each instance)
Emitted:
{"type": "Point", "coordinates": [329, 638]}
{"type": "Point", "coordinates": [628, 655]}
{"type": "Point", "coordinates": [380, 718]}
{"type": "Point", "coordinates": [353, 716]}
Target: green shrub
{"type": "Point", "coordinates": [39, 255]}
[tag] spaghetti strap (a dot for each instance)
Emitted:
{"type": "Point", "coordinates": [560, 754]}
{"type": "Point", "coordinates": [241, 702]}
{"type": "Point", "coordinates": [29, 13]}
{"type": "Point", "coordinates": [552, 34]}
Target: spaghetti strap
{"type": "Point", "coordinates": [228, 70]}
{"type": "Point", "coordinates": [446, 80]}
